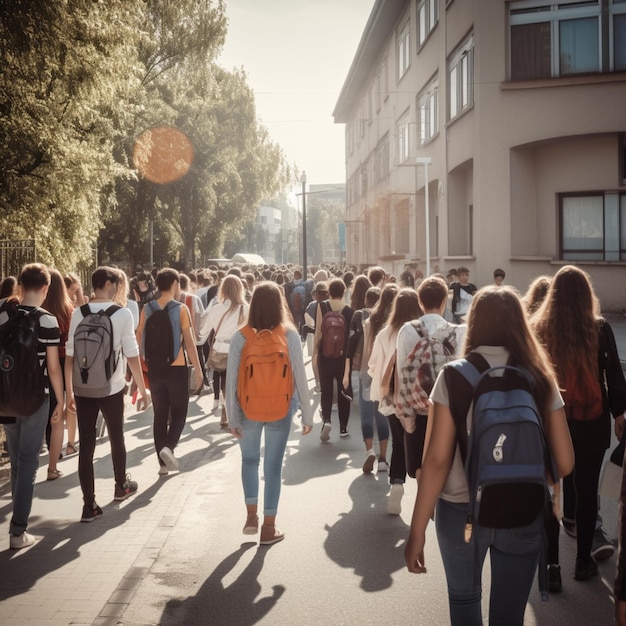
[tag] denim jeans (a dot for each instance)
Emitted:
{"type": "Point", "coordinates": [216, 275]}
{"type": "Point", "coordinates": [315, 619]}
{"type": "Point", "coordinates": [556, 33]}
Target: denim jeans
{"type": "Point", "coordinates": [369, 413]}
{"type": "Point", "coordinates": [514, 555]}
{"type": "Point", "coordinates": [276, 436]}
{"type": "Point", "coordinates": [24, 439]}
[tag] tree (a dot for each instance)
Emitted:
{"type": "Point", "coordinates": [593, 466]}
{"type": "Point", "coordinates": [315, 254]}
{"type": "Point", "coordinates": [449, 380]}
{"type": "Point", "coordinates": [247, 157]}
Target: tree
{"type": "Point", "coordinates": [67, 88]}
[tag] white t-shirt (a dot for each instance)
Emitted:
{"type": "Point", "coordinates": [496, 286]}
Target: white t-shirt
{"type": "Point", "coordinates": [124, 340]}
{"type": "Point", "coordinates": [455, 489]}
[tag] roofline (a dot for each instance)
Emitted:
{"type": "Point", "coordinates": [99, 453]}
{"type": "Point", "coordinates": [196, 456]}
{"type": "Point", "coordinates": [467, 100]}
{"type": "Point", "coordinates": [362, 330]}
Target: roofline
{"type": "Point", "coordinates": [381, 22]}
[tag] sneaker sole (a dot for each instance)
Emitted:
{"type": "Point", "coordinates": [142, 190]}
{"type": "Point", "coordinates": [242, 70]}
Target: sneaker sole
{"type": "Point", "coordinates": [603, 553]}
{"type": "Point", "coordinates": [124, 497]}
{"type": "Point", "coordinates": [368, 466]}
{"type": "Point", "coordinates": [171, 462]}
{"type": "Point", "coordinates": [325, 436]}
{"type": "Point", "coordinates": [394, 506]}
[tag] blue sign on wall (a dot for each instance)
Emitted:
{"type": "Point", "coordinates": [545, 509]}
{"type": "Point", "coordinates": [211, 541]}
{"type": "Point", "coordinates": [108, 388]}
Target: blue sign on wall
{"type": "Point", "coordinates": [342, 236]}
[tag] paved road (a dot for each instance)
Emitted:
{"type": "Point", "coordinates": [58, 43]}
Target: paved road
{"type": "Point", "coordinates": [174, 553]}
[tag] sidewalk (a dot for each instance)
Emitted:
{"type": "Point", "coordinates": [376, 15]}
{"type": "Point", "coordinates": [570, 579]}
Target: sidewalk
{"type": "Point", "coordinates": [174, 553]}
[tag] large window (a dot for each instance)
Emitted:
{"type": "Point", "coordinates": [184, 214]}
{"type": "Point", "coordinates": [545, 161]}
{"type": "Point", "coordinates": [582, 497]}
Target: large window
{"type": "Point", "coordinates": [569, 37]}
{"type": "Point", "coordinates": [404, 51]}
{"type": "Point", "coordinates": [427, 101]}
{"type": "Point", "coordinates": [427, 17]}
{"type": "Point", "coordinates": [593, 226]}
{"type": "Point", "coordinates": [403, 128]}
{"type": "Point", "coordinates": [461, 77]}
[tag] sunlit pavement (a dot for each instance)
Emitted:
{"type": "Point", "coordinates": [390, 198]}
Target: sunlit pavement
{"type": "Point", "coordinates": [175, 554]}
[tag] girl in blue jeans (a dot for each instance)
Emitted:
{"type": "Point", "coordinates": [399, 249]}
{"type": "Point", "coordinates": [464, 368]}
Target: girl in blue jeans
{"type": "Point", "coordinates": [268, 310]}
{"type": "Point", "coordinates": [497, 329]}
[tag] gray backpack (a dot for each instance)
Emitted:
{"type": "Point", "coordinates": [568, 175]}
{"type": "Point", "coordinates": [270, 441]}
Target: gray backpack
{"type": "Point", "coordinates": [95, 360]}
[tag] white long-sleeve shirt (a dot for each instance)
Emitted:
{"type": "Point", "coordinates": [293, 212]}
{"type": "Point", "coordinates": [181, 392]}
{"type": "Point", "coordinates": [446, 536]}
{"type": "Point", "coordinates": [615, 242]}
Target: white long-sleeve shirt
{"type": "Point", "coordinates": [383, 349]}
{"type": "Point", "coordinates": [231, 322]}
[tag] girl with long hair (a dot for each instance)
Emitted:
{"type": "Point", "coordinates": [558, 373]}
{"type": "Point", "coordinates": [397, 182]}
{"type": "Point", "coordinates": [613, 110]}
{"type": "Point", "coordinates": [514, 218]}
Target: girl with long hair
{"type": "Point", "coordinates": [405, 308]}
{"type": "Point", "coordinates": [223, 319]}
{"type": "Point", "coordinates": [582, 347]}
{"type": "Point", "coordinates": [498, 331]}
{"type": "Point", "coordinates": [536, 294]}
{"type": "Point", "coordinates": [58, 303]}
{"type": "Point", "coordinates": [361, 285]}
{"type": "Point", "coordinates": [268, 311]}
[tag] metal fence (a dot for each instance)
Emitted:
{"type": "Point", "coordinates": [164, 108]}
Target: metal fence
{"type": "Point", "coordinates": [14, 254]}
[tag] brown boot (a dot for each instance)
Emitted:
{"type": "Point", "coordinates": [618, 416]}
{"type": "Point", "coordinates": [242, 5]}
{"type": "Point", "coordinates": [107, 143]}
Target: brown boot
{"type": "Point", "coordinates": [270, 535]}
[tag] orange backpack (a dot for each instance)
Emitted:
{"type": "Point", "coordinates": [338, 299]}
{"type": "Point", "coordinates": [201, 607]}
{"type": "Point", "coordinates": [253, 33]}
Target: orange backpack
{"type": "Point", "coordinates": [265, 385]}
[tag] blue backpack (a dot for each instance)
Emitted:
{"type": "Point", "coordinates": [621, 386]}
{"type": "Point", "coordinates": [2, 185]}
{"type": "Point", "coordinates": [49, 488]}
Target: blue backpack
{"type": "Point", "coordinates": [506, 455]}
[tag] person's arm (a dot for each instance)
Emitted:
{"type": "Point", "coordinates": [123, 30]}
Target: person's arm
{"type": "Point", "coordinates": [192, 353]}
{"type": "Point", "coordinates": [435, 469]}
{"type": "Point", "coordinates": [233, 408]}
{"type": "Point", "coordinates": [616, 385]}
{"type": "Point", "coordinates": [134, 365]}
{"type": "Point", "coordinates": [560, 441]}
{"type": "Point", "coordinates": [297, 365]}
{"type": "Point", "coordinates": [56, 381]}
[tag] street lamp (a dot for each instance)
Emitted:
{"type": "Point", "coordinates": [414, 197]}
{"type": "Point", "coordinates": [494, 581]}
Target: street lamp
{"type": "Point", "coordinates": [426, 161]}
{"type": "Point", "coordinates": [304, 267]}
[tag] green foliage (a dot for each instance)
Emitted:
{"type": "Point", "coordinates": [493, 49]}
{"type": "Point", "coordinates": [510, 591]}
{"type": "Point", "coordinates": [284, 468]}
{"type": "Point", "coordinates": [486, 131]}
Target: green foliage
{"type": "Point", "coordinates": [79, 81]}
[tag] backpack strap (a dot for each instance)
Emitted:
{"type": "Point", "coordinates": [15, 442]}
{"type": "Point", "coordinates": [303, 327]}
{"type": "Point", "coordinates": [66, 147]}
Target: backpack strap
{"type": "Point", "coordinates": [114, 308]}
{"type": "Point", "coordinates": [247, 331]}
{"type": "Point", "coordinates": [85, 310]}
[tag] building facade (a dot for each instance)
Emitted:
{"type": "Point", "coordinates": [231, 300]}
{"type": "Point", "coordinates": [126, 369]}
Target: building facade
{"type": "Point", "coordinates": [520, 110]}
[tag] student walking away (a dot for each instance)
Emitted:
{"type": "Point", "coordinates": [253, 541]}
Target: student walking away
{"type": "Point", "coordinates": [582, 346]}
{"type": "Point", "coordinates": [265, 371]}
{"type": "Point", "coordinates": [319, 294]}
{"type": "Point", "coordinates": [530, 437]}
{"type": "Point", "coordinates": [382, 368]}
{"type": "Point", "coordinates": [359, 348]}
{"type": "Point", "coordinates": [295, 293]}
{"type": "Point", "coordinates": [462, 293]}
{"type": "Point", "coordinates": [29, 367]}
{"type": "Point", "coordinates": [196, 310]}
{"type": "Point", "coordinates": [219, 323]}
{"type": "Point", "coordinates": [331, 335]}
{"type": "Point", "coordinates": [423, 347]}
{"type": "Point", "coordinates": [58, 303]}
{"type": "Point", "coordinates": [100, 343]}
{"type": "Point", "coordinates": [166, 337]}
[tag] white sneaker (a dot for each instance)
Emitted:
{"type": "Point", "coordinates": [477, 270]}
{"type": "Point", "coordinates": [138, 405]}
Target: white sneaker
{"type": "Point", "coordinates": [382, 466]}
{"type": "Point", "coordinates": [171, 462]}
{"type": "Point", "coordinates": [370, 459]}
{"type": "Point", "coordinates": [163, 471]}
{"type": "Point", "coordinates": [325, 434]}
{"type": "Point", "coordinates": [394, 506]}
{"type": "Point", "coordinates": [22, 541]}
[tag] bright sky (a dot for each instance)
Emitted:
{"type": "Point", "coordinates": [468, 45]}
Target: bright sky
{"type": "Point", "coordinates": [297, 54]}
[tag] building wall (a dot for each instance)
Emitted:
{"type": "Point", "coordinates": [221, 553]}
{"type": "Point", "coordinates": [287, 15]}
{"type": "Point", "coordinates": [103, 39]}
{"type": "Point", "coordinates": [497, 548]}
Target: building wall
{"type": "Point", "coordinates": [497, 169]}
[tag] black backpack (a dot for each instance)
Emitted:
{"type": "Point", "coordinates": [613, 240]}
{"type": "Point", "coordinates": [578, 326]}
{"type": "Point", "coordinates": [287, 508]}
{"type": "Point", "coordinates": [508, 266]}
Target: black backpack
{"type": "Point", "coordinates": [161, 335]}
{"type": "Point", "coordinates": [22, 380]}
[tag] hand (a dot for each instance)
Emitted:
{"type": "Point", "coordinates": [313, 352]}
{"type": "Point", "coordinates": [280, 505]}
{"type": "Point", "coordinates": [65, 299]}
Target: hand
{"type": "Point", "coordinates": [414, 554]}
{"type": "Point", "coordinates": [70, 403]}
{"type": "Point", "coordinates": [144, 401]}
{"type": "Point", "coordinates": [619, 427]}
{"type": "Point", "coordinates": [236, 432]}
{"type": "Point", "coordinates": [57, 414]}
{"type": "Point", "coordinates": [199, 383]}
{"type": "Point", "coordinates": [306, 429]}
{"type": "Point", "coordinates": [346, 381]}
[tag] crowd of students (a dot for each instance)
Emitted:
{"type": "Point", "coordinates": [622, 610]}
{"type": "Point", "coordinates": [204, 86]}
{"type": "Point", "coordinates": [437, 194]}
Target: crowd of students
{"type": "Point", "coordinates": [554, 332]}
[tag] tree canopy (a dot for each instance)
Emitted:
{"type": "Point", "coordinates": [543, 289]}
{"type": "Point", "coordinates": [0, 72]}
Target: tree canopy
{"type": "Point", "coordinates": [80, 80]}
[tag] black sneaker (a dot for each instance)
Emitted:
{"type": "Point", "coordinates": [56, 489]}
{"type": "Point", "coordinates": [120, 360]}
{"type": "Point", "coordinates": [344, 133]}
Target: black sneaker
{"type": "Point", "coordinates": [585, 569]}
{"type": "Point", "coordinates": [601, 548]}
{"type": "Point", "coordinates": [555, 584]}
{"type": "Point", "coordinates": [569, 526]}
{"type": "Point", "coordinates": [127, 489]}
{"type": "Point", "coordinates": [344, 433]}
{"type": "Point", "coordinates": [90, 513]}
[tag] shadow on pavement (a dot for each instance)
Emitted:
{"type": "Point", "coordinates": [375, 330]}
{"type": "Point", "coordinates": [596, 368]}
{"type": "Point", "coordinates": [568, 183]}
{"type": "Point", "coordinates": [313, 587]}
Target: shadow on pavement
{"type": "Point", "coordinates": [367, 539]}
{"type": "Point", "coordinates": [236, 603]}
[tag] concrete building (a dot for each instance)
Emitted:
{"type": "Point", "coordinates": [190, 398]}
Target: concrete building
{"type": "Point", "coordinates": [521, 108]}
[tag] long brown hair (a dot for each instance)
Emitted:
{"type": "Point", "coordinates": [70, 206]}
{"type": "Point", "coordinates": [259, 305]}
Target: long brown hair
{"type": "Point", "coordinates": [496, 318]}
{"type": "Point", "coordinates": [380, 313]}
{"type": "Point", "coordinates": [566, 324]}
{"type": "Point", "coordinates": [58, 300]}
{"type": "Point", "coordinates": [361, 284]}
{"type": "Point", "coordinates": [536, 294]}
{"type": "Point", "coordinates": [268, 307]}
{"type": "Point", "coordinates": [405, 308]}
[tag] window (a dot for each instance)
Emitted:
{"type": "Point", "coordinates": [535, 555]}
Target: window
{"type": "Point", "coordinates": [263, 219]}
{"type": "Point", "coordinates": [428, 121]}
{"type": "Point", "coordinates": [381, 166]}
{"type": "Point", "coordinates": [384, 78]}
{"type": "Point", "coordinates": [461, 78]}
{"type": "Point", "coordinates": [549, 39]}
{"type": "Point", "coordinates": [404, 52]}
{"type": "Point", "coordinates": [593, 226]}
{"type": "Point", "coordinates": [427, 18]}
{"type": "Point", "coordinates": [403, 138]}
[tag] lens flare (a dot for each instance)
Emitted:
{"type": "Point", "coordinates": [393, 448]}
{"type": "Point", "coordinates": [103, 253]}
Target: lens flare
{"type": "Point", "coordinates": [163, 154]}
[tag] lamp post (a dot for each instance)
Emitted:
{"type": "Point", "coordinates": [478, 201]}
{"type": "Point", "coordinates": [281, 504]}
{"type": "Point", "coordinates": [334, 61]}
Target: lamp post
{"type": "Point", "coordinates": [304, 267]}
{"type": "Point", "coordinates": [426, 161]}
